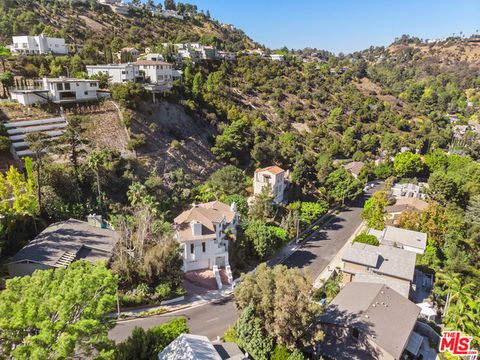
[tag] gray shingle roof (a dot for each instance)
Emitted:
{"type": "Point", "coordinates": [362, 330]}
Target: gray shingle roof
{"type": "Point", "coordinates": [376, 310]}
{"type": "Point", "coordinates": [61, 243]}
{"type": "Point", "coordinates": [190, 347]}
{"type": "Point", "coordinates": [389, 260]}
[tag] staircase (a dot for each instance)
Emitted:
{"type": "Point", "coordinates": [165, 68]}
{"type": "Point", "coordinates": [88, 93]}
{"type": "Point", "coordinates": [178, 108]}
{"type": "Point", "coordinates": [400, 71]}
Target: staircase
{"type": "Point", "coordinates": [18, 130]}
{"type": "Point", "coordinates": [218, 277]}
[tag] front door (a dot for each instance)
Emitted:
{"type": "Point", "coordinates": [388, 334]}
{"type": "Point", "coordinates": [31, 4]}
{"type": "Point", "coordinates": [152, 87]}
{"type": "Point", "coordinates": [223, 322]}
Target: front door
{"type": "Point", "coordinates": [220, 261]}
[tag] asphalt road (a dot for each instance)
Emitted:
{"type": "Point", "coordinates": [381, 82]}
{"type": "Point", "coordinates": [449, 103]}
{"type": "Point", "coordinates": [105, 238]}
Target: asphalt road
{"type": "Point", "coordinates": [212, 319]}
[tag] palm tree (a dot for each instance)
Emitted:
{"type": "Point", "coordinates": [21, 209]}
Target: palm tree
{"type": "Point", "coordinates": [95, 162]}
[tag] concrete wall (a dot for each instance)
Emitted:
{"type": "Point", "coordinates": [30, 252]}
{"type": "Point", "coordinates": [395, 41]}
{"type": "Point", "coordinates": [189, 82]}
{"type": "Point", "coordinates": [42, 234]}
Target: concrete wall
{"type": "Point", "coordinates": [216, 253]}
{"type": "Point", "coordinates": [27, 99]}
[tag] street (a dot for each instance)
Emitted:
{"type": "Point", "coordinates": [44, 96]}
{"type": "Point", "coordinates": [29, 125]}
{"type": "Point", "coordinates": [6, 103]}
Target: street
{"type": "Point", "coordinates": [212, 319]}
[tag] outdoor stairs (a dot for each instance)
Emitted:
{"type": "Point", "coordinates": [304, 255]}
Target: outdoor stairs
{"type": "Point", "coordinates": [18, 130]}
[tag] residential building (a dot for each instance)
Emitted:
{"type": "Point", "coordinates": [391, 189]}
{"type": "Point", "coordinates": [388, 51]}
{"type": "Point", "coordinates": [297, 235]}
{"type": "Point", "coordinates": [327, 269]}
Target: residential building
{"type": "Point", "coordinates": [197, 347]}
{"type": "Point", "coordinates": [404, 204]}
{"type": "Point", "coordinates": [369, 321]}
{"type": "Point", "coordinates": [277, 57]}
{"type": "Point", "coordinates": [354, 167]}
{"type": "Point", "coordinates": [154, 57]}
{"type": "Point", "coordinates": [410, 240]}
{"type": "Point", "coordinates": [379, 264]}
{"type": "Point", "coordinates": [275, 178]}
{"type": "Point", "coordinates": [202, 232]}
{"type": "Point", "coordinates": [59, 90]}
{"type": "Point", "coordinates": [38, 45]}
{"type": "Point", "coordinates": [132, 53]}
{"type": "Point", "coordinates": [118, 73]}
{"type": "Point", "coordinates": [226, 55]}
{"type": "Point", "coordinates": [64, 242]}
{"type": "Point", "coordinates": [157, 72]}
{"type": "Point", "coordinates": [409, 190]}
{"type": "Point", "coordinates": [208, 53]}
{"type": "Point", "coordinates": [168, 14]}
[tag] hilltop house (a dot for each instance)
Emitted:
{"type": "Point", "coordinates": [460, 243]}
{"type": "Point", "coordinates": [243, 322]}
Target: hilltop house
{"type": "Point", "coordinates": [410, 240]}
{"type": "Point", "coordinates": [60, 91]}
{"type": "Point", "coordinates": [354, 167]}
{"type": "Point", "coordinates": [274, 177]}
{"type": "Point", "coordinates": [118, 73]}
{"type": "Point", "coordinates": [202, 230]}
{"type": "Point", "coordinates": [277, 57]}
{"type": "Point", "coordinates": [38, 45]}
{"type": "Point", "coordinates": [130, 52]}
{"type": "Point", "coordinates": [369, 321]}
{"type": "Point", "coordinates": [197, 347]}
{"type": "Point", "coordinates": [64, 242]}
{"type": "Point", "coordinates": [157, 72]}
{"type": "Point", "coordinates": [379, 264]}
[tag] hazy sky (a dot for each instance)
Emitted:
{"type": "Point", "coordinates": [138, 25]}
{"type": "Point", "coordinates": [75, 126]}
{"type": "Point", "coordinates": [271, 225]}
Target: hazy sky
{"type": "Point", "coordinates": [344, 25]}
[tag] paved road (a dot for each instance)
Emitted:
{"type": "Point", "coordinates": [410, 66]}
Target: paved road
{"type": "Point", "coordinates": [212, 319]}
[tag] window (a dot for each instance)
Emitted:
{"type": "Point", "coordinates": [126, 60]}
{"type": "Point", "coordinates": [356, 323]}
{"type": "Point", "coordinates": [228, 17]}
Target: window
{"type": "Point", "coordinates": [204, 247]}
{"type": "Point", "coordinates": [67, 86]}
{"type": "Point", "coordinates": [85, 92]}
{"type": "Point", "coordinates": [59, 86]}
{"type": "Point", "coordinates": [192, 248]}
{"type": "Point", "coordinates": [93, 84]}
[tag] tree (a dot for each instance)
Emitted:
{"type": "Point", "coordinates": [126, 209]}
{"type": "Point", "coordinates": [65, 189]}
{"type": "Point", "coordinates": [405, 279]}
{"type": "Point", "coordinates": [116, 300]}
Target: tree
{"type": "Point", "coordinates": [226, 181]}
{"type": "Point", "coordinates": [407, 164]}
{"type": "Point", "coordinates": [7, 80]}
{"type": "Point", "coordinates": [39, 144]}
{"type": "Point", "coordinates": [374, 210]}
{"type": "Point", "coordinates": [53, 312]}
{"type": "Point", "coordinates": [197, 84]}
{"type": "Point", "coordinates": [147, 344]}
{"type": "Point", "coordinates": [341, 185]}
{"type": "Point", "coordinates": [262, 207]}
{"type": "Point", "coordinates": [473, 210]}
{"type": "Point", "coordinates": [282, 301]}
{"type": "Point", "coordinates": [444, 188]}
{"type": "Point", "coordinates": [366, 239]}
{"type": "Point", "coordinates": [96, 162]}
{"type": "Point", "coordinates": [72, 142]}
{"type": "Point", "coordinates": [4, 54]}
{"type": "Point", "coordinates": [264, 238]}
{"type": "Point", "coordinates": [251, 336]}
{"type": "Point", "coordinates": [232, 144]}
{"type": "Point", "coordinates": [169, 5]}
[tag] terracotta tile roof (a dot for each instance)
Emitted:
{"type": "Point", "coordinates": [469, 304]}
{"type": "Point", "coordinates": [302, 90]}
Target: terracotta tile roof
{"type": "Point", "coordinates": [275, 170]}
{"type": "Point", "coordinates": [151, 62]}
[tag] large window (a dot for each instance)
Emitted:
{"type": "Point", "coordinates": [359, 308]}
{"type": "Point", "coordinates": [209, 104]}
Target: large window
{"type": "Point", "coordinates": [204, 247]}
{"type": "Point", "coordinates": [192, 248]}
{"type": "Point", "coordinates": [59, 86]}
{"type": "Point", "coordinates": [67, 86]}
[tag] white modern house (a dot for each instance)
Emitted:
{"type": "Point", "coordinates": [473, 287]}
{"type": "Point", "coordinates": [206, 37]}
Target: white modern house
{"type": "Point", "coordinates": [118, 73]}
{"type": "Point", "coordinates": [275, 178]}
{"type": "Point", "coordinates": [202, 230]}
{"type": "Point", "coordinates": [38, 45]}
{"type": "Point", "coordinates": [59, 90]}
{"type": "Point", "coordinates": [154, 57]}
{"type": "Point", "coordinates": [409, 190]}
{"type": "Point", "coordinates": [156, 72]}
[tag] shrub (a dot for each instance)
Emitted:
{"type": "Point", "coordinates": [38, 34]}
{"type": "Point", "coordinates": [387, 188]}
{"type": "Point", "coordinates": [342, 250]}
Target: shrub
{"type": "Point", "coordinates": [163, 291]}
{"type": "Point", "coordinates": [366, 239]}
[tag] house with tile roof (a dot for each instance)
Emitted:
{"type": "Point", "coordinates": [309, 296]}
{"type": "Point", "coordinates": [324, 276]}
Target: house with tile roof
{"type": "Point", "coordinates": [369, 321]}
{"type": "Point", "coordinates": [202, 232]}
{"type": "Point", "coordinates": [354, 168]}
{"type": "Point", "coordinates": [64, 242]}
{"type": "Point", "coordinates": [273, 177]}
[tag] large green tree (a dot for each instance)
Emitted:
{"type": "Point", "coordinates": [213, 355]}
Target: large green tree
{"type": "Point", "coordinates": [407, 164]}
{"type": "Point", "coordinates": [374, 210]}
{"type": "Point", "coordinates": [54, 313]}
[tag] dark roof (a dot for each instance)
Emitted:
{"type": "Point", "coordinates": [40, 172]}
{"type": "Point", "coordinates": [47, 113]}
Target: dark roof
{"type": "Point", "coordinates": [63, 242]}
{"type": "Point", "coordinates": [377, 311]}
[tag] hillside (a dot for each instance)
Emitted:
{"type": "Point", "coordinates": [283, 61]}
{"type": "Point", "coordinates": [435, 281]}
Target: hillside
{"type": "Point", "coordinates": [82, 25]}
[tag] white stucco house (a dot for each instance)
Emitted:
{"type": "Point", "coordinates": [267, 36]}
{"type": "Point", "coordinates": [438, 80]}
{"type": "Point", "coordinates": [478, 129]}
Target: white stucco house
{"type": "Point", "coordinates": [409, 190]}
{"type": "Point", "coordinates": [156, 72]}
{"type": "Point", "coordinates": [202, 230]}
{"type": "Point", "coordinates": [118, 73]}
{"type": "Point", "coordinates": [273, 176]}
{"type": "Point", "coordinates": [59, 90]}
{"type": "Point", "coordinates": [38, 45]}
{"type": "Point", "coordinates": [277, 57]}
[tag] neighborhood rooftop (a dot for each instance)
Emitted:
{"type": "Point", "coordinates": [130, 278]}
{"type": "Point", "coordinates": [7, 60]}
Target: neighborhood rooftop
{"type": "Point", "coordinates": [408, 239]}
{"type": "Point", "coordinates": [376, 310]}
{"type": "Point", "coordinates": [383, 259]}
{"type": "Point", "coordinates": [271, 169]}
{"type": "Point", "coordinates": [63, 242]}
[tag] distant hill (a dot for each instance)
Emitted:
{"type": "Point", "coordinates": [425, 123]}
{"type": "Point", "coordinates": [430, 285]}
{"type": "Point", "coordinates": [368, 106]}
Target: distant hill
{"type": "Point", "coordinates": [79, 24]}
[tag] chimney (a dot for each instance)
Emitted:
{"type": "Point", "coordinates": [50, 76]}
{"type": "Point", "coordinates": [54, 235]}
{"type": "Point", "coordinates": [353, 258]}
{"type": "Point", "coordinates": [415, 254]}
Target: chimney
{"type": "Point", "coordinates": [95, 220]}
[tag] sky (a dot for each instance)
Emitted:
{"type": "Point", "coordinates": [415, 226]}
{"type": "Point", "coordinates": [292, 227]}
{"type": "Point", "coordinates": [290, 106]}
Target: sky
{"type": "Point", "coordinates": [344, 25]}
